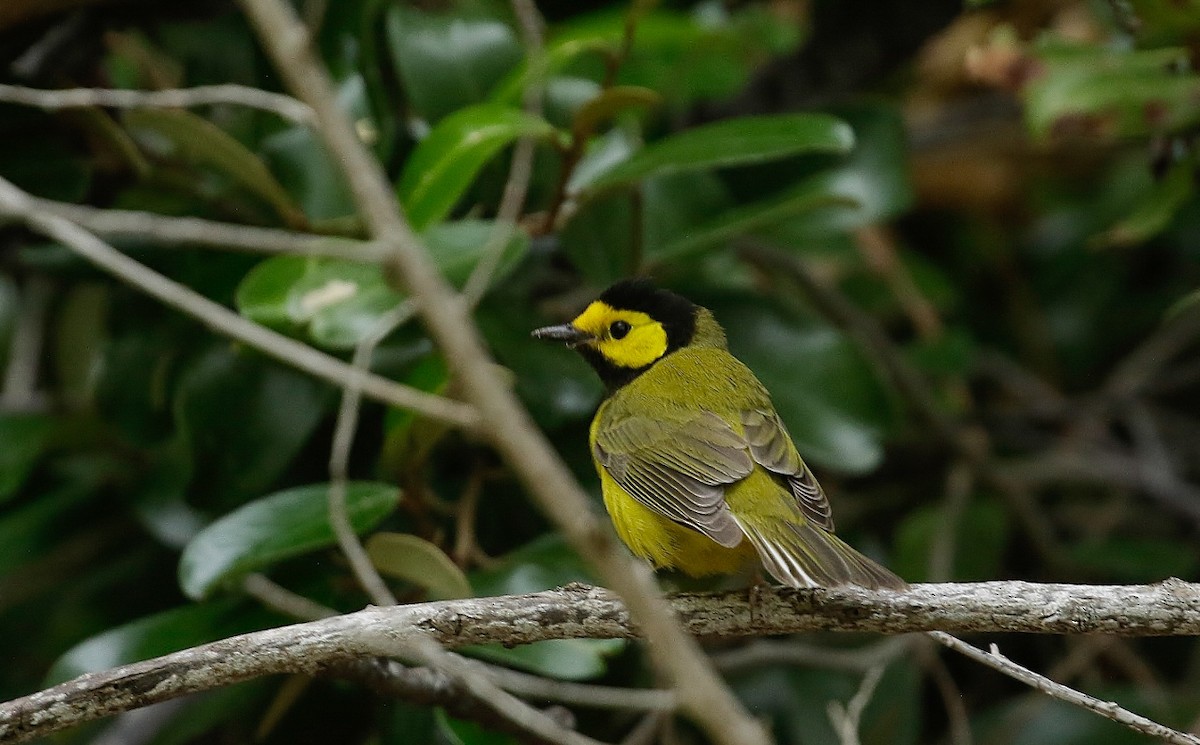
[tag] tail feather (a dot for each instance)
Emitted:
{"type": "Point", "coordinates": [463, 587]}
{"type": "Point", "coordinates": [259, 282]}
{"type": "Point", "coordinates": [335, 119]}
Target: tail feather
{"type": "Point", "coordinates": [804, 555]}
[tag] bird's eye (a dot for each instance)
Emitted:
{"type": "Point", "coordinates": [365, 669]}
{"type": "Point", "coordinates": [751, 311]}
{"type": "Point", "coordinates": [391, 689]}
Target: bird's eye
{"type": "Point", "coordinates": [619, 329]}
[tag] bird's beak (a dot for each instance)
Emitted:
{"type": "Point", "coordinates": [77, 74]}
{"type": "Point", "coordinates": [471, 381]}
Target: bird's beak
{"type": "Point", "coordinates": [566, 333]}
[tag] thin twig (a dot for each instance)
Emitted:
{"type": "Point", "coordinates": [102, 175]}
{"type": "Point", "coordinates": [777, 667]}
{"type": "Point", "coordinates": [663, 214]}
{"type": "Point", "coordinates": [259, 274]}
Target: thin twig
{"type": "Point", "coordinates": [512, 201]}
{"type": "Point", "coordinates": [19, 389]}
{"type": "Point", "coordinates": [1107, 709]}
{"type": "Point", "coordinates": [160, 230]}
{"type": "Point", "coordinates": [204, 95]}
{"type": "Point", "coordinates": [952, 698]}
{"type": "Point", "coordinates": [512, 708]}
{"type": "Point", "coordinates": [282, 600]}
{"type": "Point", "coordinates": [1139, 367]}
{"type": "Point", "coordinates": [704, 698]}
{"type": "Point", "coordinates": [960, 480]}
{"type": "Point", "coordinates": [581, 694]}
{"type": "Point", "coordinates": [16, 203]}
{"type": "Point", "coordinates": [845, 719]}
{"type": "Point", "coordinates": [339, 457]}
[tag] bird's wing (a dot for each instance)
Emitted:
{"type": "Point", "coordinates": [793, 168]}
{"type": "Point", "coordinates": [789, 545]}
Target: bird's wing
{"type": "Point", "coordinates": [678, 468]}
{"type": "Point", "coordinates": [772, 448]}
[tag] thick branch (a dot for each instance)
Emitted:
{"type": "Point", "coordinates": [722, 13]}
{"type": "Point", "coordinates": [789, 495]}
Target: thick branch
{"type": "Point", "coordinates": [1171, 607]}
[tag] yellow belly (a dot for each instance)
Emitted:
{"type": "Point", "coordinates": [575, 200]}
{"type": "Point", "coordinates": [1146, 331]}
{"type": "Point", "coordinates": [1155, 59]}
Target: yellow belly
{"type": "Point", "coordinates": [667, 544]}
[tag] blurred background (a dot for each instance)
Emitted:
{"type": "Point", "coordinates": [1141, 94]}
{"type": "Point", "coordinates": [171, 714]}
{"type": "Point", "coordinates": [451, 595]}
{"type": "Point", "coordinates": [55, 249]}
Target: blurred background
{"type": "Point", "coordinates": [959, 242]}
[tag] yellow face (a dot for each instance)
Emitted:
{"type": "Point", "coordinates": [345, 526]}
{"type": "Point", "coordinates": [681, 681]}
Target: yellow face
{"type": "Point", "coordinates": [626, 338]}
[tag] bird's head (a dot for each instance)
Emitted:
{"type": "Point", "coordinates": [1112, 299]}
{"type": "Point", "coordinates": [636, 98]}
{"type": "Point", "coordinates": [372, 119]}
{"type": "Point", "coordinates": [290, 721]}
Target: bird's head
{"type": "Point", "coordinates": [632, 325]}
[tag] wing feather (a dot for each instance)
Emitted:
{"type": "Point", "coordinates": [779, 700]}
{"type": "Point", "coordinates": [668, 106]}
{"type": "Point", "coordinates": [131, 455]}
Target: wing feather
{"type": "Point", "coordinates": [772, 448]}
{"type": "Point", "coordinates": [678, 469]}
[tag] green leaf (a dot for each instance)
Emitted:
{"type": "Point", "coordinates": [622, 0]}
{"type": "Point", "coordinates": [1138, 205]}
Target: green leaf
{"type": "Point", "coordinates": [448, 62]}
{"type": "Point", "coordinates": [563, 659]}
{"type": "Point", "coordinates": [872, 184]}
{"type": "Point", "coordinates": [155, 635]}
{"type": "Point", "coordinates": [339, 303]}
{"type": "Point", "coordinates": [268, 530]}
{"type": "Point", "coordinates": [445, 163]}
{"type": "Point", "coordinates": [28, 532]}
{"type": "Point", "coordinates": [1110, 94]}
{"type": "Point", "coordinates": [835, 408]}
{"type": "Point", "coordinates": [733, 142]}
{"type": "Point", "coordinates": [419, 562]}
{"type": "Point", "coordinates": [557, 56]}
{"type": "Point", "coordinates": [304, 165]}
{"type": "Point", "coordinates": [234, 457]}
{"type": "Point", "coordinates": [200, 142]}
{"type": "Point", "coordinates": [1154, 209]}
{"type": "Point", "coordinates": [980, 542]}
{"type": "Point", "coordinates": [24, 437]}
{"type": "Point", "coordinates": [806, 198]}
{"type": "Point", "coordinates": [1136, 559]}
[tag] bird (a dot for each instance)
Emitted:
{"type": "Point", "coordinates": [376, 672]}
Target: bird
{"type": "Point", "coordinates": [697, 470]}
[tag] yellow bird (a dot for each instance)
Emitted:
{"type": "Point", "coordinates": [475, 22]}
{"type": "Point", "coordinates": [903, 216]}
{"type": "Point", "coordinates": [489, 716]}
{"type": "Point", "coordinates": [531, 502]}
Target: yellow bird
{"type": "Point", "coordinates": [697, 470]}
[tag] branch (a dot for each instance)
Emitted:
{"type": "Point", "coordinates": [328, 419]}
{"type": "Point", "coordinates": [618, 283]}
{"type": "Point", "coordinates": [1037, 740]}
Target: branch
{"type": "Point", "coordinates": [17, 204]}
{"type": "Point", "coordinates": [1171, 607]}
{"type": "Point", "coordinates": [703, 696]}
{"type": "Point", "coordinates": [204, 95]}
{"type": "Point", "coordinates": [1106, 709]}
{"type": "Point", "coordinates": [159, 230]}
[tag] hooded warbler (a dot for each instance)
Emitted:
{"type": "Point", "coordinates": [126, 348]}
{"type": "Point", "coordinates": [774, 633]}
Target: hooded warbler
{"type": "Point", "coordinates": [697, 470]}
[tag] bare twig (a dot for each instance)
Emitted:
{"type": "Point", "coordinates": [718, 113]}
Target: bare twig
{"type": "Point", "coordinates": [19, 388]}
{"type": "Point", "coordinates": [1171, 607]}
{"type": "Point", "coordinates": [339, 457]}
{"type": "Point", "coordinates": [1138, 369]}
{"type": "Point", "coordinates": [282, 600]}
{"type": "Point", "coordinates": [1106, 709]}
{"type": "Point", "coordinates": [952, 699]}
{"type": "Point", "coordinates": [15, 203]}
{"type": "Point", "coordinates": [845, 719]}
{"type": "Point", "coordinates": [159, 231]}
{"type": "Point", "coordinates": [205, 95]}
{"type": "Point", "coordinates": [512, 201]}
{"type": "Point", "coordinates": [703, 696]}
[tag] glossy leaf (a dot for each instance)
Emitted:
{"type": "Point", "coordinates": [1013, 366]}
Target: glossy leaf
{"type": "Point", "coordinates": [447, 62]}
{"type": "Point", "coordinates": [274, 528]}
{"type": "Point", "coordinates": [339, 303]}
{"type": "Point", "coordinates": [835, 408]}
{"type": "Point", "coordinates": [234, 457]}
{"type": "Point", "coordinates": [871, 184]}
{"type": "Point", "coordinates": [740, 141]}
{"type": "Point", "coordinates": [564, 659]}
{"type": "Point", "coordinates": [981, 537]}
{"type": "Point", "coordinates": [418, 562]}
{"type": "Point", "coordinates": [202, 143]}
{"type": "Point", "coordinates": [1106, 94]}
{"type": "Point", "coordinates": [30, 531]}
{"type": "Point", "coordinates": [23, 439]}
{"type": "Point", "coordinates": [804, 199]}
{"type": "Point", "coordinates": [445, 163]}
{"type": "Point", "coordinates": [303, 163]}
{"type": "Point", "coordinates": [558, 55]}
{"type": "Point", "coordinates": [1154, 208]}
